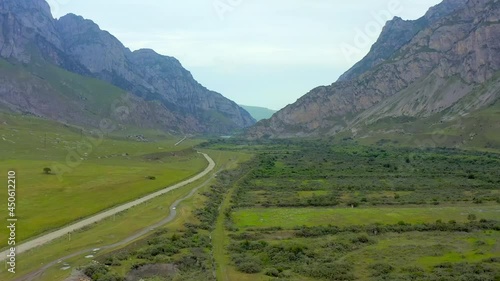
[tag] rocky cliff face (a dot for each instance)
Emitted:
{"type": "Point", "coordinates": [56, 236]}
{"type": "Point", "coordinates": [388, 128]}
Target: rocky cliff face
{"type": "Point", "coordinates": [397, 33]}
{"type": "Point", "coordinates": [29, 35]}
{"type": "Point", "coordinates": [26, 22]}
{"type": "Point", "coordinates": [433, 72]}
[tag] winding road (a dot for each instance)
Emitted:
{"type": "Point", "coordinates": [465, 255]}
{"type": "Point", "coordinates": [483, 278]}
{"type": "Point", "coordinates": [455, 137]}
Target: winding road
{"type": "Point", "coordinates": [96, 218]}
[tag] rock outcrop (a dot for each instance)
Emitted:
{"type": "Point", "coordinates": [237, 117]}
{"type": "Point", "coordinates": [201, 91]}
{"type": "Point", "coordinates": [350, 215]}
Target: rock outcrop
{"type": "Point", "coordinates": [30, 36]}
{"type": "Point", "coordinates": [434, 71]}
{"type": "Point", "coordinates": [397, 33]}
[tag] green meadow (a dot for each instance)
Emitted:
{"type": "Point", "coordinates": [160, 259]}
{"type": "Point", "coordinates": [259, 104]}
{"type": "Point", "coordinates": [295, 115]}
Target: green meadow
{"type": "Point", "coordinates": [89, 172]}
{"type": "Point", "coordinates": [315, 210]}
{"type": "Point", "coordinates": [276, 210]}
{"type": "Point", "coordinates": [123, 225]}
{"type": "Point", "coordinates": [292, 217]}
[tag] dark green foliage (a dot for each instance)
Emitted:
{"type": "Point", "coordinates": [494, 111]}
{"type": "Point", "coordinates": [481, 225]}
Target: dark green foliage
{"type": "Point", "coordinates": [250, 256]}
{"type": "Point", "coordinates": [300, 174]}
{"type": "Point", "coordinates": [189, 251]}
{"type": "Point", "coordinates": [112, 261]}
{"type": "Point", "coordinates": [318, 174]}
{"type": "Point", "coordinates": [444, 272]}
{"type": "Point", "coordinates": [380, 269]}
{"type": "Point", "coordinates": [273, 272]}
{"type": "Point", "coordinates": [329, 271]}
{"type": "Point", "coordinates": [472, 217]}
{"type": "Point", "coordinates": [363, 239]}
{"type": "Point", "coordinates": [400, 227]}
{"type": "Point", "coordinates": [99, 272]}
{"type": "Point", "coordinates": [465, 272]}
{"type": "Point", "coordinates": [247, 264]}
{"type": "Point", "coordinates": [412, 176]}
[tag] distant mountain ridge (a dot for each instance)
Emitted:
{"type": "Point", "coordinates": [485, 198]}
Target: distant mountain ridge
{"type": "Point", "coordinates": [259, 113]}
{"type": "Point", "coordinates": [164, 94]}
{"type": "Point", "coordinates": [446, 71]}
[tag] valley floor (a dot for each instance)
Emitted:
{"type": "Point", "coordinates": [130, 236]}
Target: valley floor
{"type": "Point", "coordinates": [67, 230]}
{"type": "Point", "coordinates": [317, 211]}
{"type": "Point", "coordinates": [303, 210]}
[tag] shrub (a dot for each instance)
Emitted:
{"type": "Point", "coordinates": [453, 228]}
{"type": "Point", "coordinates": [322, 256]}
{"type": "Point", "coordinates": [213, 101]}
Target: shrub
{"type": "Point", "coordinates": [247, 264]}
{"type": "Point", "coordinates": [112, 261]}
{"type": "Point", "coordinates": [362, 239]}
{"type": "Point", "coordinates": [95, 271]}
{"type": "Point", "coordinates": [273, 272]}
{"type": "Point", "coordinates": [100, 272]}
{"type": "Point", "coordinates": [472, 217]}
{"type": "Point", "coordinates": [330, 271]}
{"type": "Point", "coordinates": [353, 204]}
{"type": "Point", "coordinates": [380, 269]}
{"type": "Point", "coordinates": [249, 267]}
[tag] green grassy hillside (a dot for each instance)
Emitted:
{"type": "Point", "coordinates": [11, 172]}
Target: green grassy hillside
{"type": "Point", "coordinates": [44, 90]}
{"type": "Point", "coordinates": [259, 113]}
{"type": "Point", "coordinates": [58, 94]}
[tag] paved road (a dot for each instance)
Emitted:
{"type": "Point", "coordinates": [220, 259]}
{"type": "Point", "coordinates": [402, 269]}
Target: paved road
{"type": "Point", "coordinates": [21, 248]}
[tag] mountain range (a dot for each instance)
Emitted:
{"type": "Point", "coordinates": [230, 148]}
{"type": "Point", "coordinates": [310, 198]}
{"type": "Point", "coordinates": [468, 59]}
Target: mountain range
{"type": "Point", "coordinates": [437, 74]}
{"type": "Point", "coordinates": [71, 71]}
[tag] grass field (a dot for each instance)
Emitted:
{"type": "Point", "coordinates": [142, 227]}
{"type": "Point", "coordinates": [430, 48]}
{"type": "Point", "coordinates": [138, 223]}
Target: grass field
{"type": "Point", "coordinates": [187, 215]}
{"type": "Point", "coordinates": [105, 173]}
{"type": "Point", "coordinates": [123, 225]}
{"type": "Point", "coordinates": [325, 200]}
{"type": "Point", "coordinates": [425, 250]}
{"type": "Point", "coordinates": [109, 231]}
{"type": "Point", "coordinates": [317, 211]}
{"type": "Point", "coordinates": [292, 217]}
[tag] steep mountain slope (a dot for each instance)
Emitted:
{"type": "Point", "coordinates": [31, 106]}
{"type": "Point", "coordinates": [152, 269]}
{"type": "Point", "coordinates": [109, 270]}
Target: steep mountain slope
{"type": "Point", "coordinates": [44, 90]}
{"type": "Point", "coordinates": [259, 113]}
{"type": "Point", "coordinates": [27, 30]}
{"type": "Point", "coordinates": [437, 71]}
{"type": "Point", "coordinates": [397, 33]}
{"type": "Point", "coordinates": [29, 37]}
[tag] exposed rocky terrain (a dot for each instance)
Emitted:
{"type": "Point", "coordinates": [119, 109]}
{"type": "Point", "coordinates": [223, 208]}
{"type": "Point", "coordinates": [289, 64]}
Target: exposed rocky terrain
{"type": "Point", "coordinates": [164, 94]}
{"type": "Point", "coordinates": [397, 33]}
{"type": "Point", "coordinates": [445, 69]}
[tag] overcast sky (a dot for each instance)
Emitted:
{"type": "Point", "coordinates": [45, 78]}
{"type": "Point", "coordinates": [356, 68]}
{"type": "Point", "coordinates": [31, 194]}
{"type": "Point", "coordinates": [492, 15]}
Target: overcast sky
{"type": "Point", "coordinates": [255, 52]}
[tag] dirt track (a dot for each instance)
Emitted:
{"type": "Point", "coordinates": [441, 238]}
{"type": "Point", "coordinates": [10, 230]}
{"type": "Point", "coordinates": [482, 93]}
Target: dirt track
{"type": "Point", "coordinates": [21, 248]}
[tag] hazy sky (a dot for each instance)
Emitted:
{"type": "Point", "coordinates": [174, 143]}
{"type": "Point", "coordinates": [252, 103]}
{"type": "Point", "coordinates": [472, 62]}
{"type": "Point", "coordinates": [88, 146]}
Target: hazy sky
{"type": "Point", "coordinates": [255, 52]}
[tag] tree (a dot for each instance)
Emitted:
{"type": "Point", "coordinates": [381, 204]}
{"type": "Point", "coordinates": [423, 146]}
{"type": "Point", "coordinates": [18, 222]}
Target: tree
{"type": "Point", "coordinates": [47, 171]}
